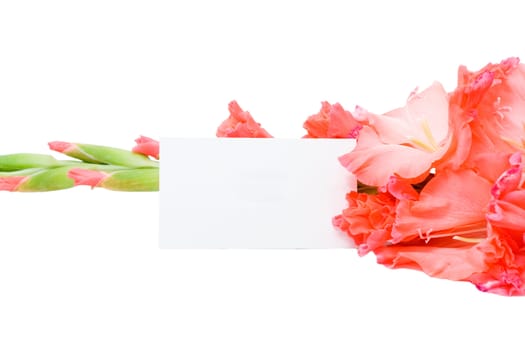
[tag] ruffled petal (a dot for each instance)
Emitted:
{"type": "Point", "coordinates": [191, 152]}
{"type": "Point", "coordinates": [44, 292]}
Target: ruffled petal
{"type": "Point", "coordinates": [449, 202]}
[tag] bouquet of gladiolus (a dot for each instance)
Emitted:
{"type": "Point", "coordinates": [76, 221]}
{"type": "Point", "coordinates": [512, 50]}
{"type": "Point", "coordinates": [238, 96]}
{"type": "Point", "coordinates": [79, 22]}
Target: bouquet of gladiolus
{"type": "Point", "coordinates": [439, 182]}
{"type": "Point", "coordinates": [95, 166]}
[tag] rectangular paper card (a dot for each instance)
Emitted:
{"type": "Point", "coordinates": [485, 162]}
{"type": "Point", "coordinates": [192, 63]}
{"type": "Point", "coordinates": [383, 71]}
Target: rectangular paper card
{"type": "Point", "coordinates": [252, 193]}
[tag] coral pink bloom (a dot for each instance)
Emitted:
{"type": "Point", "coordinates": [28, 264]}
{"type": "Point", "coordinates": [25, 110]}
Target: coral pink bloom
{"type": "Point", "coordinates": [473, 86]}
{"type": "Point", "coordinates": [404, 142]}
{"type": "Point", "coordinates": [505, 246]}
{"type": "Point", "coordinates": [464, 228]}
{"type": "Point", "coordinates": [147, 146]}
{"type": "Point", "coordinates": [494, 99]}
{"type": "Point", "coordinates": [11, 183]}
{"type": "Point", "coordinates": [440, 233]}
{"type": "Point", "coordinates": [240, 124]}
{"type": "Point", "coordinates": [494, 264]}
{"type": "Point", "coordinates": [368, 220]}
{"type": "Point", "coordinates": [332, 121]}
{"type": "Point", "coordinates": [87, 177]}
{"type": "Point", "coordinates": [451, 204]}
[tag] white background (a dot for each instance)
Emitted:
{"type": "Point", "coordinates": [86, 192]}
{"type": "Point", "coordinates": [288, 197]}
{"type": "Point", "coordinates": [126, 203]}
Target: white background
{"type": "Point", "coordinates": [80, 269]}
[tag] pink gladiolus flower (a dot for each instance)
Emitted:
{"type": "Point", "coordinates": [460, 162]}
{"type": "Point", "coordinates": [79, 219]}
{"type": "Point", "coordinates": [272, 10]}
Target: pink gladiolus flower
{"type": "Point", "coordinates": [11, 183]}
{"type": "Point", "coordinates": [452, 168]}
{"type": "Point", "coordinates": [461, 227]}
{"type": "Point", "coordinates": [492, 100]}
{"type": "Point", "coordinates": [439, 182]}
{"type": "Point", "coordinates": [240, 124]}
{"type": "Point", "coordinates": [147, 146]}
{"type": "Point", "coordinates": [87, 177]}
{"type": "Point", "coordinates": [405, 142]}
{"type": "Point", "coordinates": [495, 264]}
{"type": "Point", "coordinates": [332, 121]}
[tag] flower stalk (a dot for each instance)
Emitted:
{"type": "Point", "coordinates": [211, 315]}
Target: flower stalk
{"type": "Point", "coordinates": [116, 169]}
{"type": "Point", "coordinates": [103, 154]}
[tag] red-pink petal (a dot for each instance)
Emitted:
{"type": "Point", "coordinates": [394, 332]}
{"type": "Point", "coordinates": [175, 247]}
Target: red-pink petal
{"type": "Point", "coordinates": [401, 189]}
{"type": "Point", "coordinates": [508, 212]}
{"type": "Point", "coordinates": [507, 207]}
{"type": "Point", "coordinates": [367, 219]}
{"type": "Point", "coordinates": [405, 142]}
{"type": "Point", "coordinates": [62, 147]}
{"type": "Point", "coordinates": [87, 177]}
{"type": "Point", "coordinates": [11, 183]}
{"type": "Point", "coordinates": [240, 124]}
{"type": "Point", "coordinates": [425, 118]}
{"type": "Point", "coordinates": [332, 121]}
{"type": "Point", "coordinates": [147, 146]}
{"type": "Point", "coordinates": [441, 262]}
{"type": "Point", "coordinates": [449, 202]}
{"type": "Point", "coordinates": [510, 179]}
{"type": "Point", "coordinates": [374, 162]}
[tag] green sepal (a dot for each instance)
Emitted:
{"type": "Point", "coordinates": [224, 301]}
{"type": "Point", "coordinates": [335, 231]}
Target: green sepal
{"type": "Point", "coordinates": [51, 179]}
{"type": "Point", "coordinates": [110, 155]}
{"type": "Point", "coordinates": [21, 172]}
{"type": "Point", "coordinates": [133, 180]}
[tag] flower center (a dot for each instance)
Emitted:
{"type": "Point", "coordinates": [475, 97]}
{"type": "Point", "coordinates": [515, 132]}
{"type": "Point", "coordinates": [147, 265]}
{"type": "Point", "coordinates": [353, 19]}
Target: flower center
{"type": "Point", "coordinates": [429, 142]}
{"type": "Point", "coordinates": [499, 109]}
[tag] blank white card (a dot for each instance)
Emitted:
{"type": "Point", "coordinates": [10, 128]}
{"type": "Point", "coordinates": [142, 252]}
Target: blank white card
{"type": "Point", "coordinates": [252, 193]}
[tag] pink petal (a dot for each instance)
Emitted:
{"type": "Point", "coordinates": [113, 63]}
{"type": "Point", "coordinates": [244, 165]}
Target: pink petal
{"type": "Point", "coordinates": [374, 162]}
{"type": "Point", "coordinates": [405, 142]}
{"type": "Point", "coordinates": [147, 146]}
{"type": "Point", "coordinates": [425, 112]}
{"type": "Point", "coordinates": [240, 124]}
{"type": "Point", "coordinates": [499, 107]}
{"type": "Point", "coordinates": [505, 274]}
{"type": "Point", "coordinates": [11, 183]}
{"type": "Point", "coordinates": [332, 121]}
{"type": "Point", "coordinates": [508, 212]}
{"type": "Point", "coordinates": [367, 219]}
{"type": "Point", "coordinates": [62, 147]}
{"type": "Point", "coordinates": [401, 189]}
{"type": "Point", "coordinates": [510, 179]}
{"type": "Point", "coordinates": [441, 262]}
{"type": "Point", "coordinates": [449, 203]}
{"type": "Point", "coordinates": [87, 177]}
{"type": "Point", "coordinates": [507, 207]}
